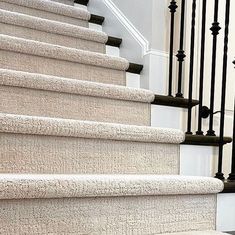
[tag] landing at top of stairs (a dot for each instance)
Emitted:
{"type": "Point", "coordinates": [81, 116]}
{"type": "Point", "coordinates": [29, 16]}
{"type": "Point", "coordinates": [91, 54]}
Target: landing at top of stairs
{"type": "Point", "coordinates": [14, 186]}
{"type": "Point", "coordinates": [53, 7]}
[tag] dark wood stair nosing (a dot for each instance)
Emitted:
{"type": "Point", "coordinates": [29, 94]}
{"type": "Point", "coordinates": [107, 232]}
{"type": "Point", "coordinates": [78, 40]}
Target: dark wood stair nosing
{"type": "Point", "coordinates": [114, 41]}
{"type": "Point", "coordinates": [82, 2]}
{"type": "Point", "coordinates": [135, 68]}
{"type": "Point", "coordinates": [203, 140]}
{"type": "Point", "coordinates": [96, 19]}
{"type": "Point", "coordinates": [229, 187]}
{"type": "Point", "coordinates": [173, 101]}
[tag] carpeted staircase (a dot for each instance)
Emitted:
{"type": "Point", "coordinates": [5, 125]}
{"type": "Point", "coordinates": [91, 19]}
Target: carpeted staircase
{"type": "Point", "coordinates": [78, 154]}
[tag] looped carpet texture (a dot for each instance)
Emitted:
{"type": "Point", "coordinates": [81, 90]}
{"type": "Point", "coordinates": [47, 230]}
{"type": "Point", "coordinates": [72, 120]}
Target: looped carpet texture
{"type": "Point", "coordinates": [78, 154]}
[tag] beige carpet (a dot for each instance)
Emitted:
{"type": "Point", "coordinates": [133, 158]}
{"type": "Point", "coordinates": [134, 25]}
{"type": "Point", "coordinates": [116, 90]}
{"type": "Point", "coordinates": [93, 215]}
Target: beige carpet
{"type": "Point", "coordinates": [49, 31]}
{"type": "Point", "coordinates": [78, 154]}
{"type": "Point", "coordinates": [48, 10]}
{"type": "Point", "coordinates": [107, 204]}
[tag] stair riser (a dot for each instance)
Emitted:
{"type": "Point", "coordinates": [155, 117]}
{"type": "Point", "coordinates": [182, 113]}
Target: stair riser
{"type": "Point", "coordinates": [72, 106]}
{"type": "Point", "coordinates": [43, 14]}
{"type": "Point", "coordinates": [67, 2]}
{"type": "Point", "coordinates": [51, 154]}
{"type": "Point", "coordinates": [60, 68]}
{"type": "Point", "coordinates": [27, 33]}
{"type": "Point", "coordinates": [111, 215]}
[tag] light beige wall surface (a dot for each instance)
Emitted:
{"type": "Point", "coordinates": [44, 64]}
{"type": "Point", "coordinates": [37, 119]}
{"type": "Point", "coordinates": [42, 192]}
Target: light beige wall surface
{"type": "Point", "coordinates": [151, 18]}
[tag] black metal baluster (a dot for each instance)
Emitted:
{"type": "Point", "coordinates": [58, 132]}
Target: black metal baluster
{"type": "Point", "coordinates": [181, 54]}
{"type": "Point", "coordinates": [192, 49]}
{"type": "Point", "coordinates": [215, 31]}
{"type": "Point", "coordinates": [232, 174]}
{"type": "Point", "coordinates": [202, 63]}
{"type": "Point", "coordinates": [173, 6]}
{"type": "Point", "coordinates": [220, 174]}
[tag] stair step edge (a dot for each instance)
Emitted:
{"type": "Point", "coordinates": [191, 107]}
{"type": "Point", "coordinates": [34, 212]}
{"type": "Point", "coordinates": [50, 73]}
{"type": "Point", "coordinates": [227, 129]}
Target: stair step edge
{"type": "Point", "coordinates": [32, 125]}
{"type": "Point", "coordinates": [67, 186]}
{"type": "Point", "coordinates": [56, 27]}
{"type": "Point", "coordinates": [54, 7]}
{"type": "Point", "coordinates": [72, 86]}
{"type": "Point", "coordinates": [26, 46]}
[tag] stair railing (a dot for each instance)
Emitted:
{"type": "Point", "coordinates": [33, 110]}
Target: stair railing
{"type": "Point", "coordinates": [220, 174]}
{"type": "Point", "coordinates": [173, 6]}
{"type": "Point", "coordinates": [203, 111]}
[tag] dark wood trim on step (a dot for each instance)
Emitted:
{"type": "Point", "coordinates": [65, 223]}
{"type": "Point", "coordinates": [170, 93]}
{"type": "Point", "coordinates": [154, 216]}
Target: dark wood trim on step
{"type": "Point", "coordinates": [229, 187]}
{"type": "Point", "coordinates": [95, 19]}
{"type": "Point", "coordinates": [114, 42]}
{"type": "Point", "coordinates": [82, 2]}
{"type": "Point", "coordinates": [135, 68]}
{"type": "Point", "coordinates": [173, 101]}
{"type": "Point", "coordinates": [205, 140]}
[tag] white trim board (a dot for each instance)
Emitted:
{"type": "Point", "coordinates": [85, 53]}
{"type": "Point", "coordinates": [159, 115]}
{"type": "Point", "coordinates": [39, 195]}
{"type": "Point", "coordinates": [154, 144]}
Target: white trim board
{"type": "Point", "coordinates": [135, 46]}
{"type": "Point", "coordinates": [143, 42]}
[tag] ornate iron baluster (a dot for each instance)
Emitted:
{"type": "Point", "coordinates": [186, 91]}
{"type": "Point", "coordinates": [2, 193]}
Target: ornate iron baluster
{"type": "Point", "coordinates": [192, 49]}
{"type": "Point", "coordinates": [215, 31]}
{"type": "Point", "coordinates": [181, 54]}
{"type": "Point", "coordinates": [220, 174]}
{"type": "Point", "coordinates": [202, 63]}
{"type": "Point", "coordinates": [173, 6]}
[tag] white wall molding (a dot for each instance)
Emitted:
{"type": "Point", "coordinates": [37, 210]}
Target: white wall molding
{"type": "Point", "coordinates": [142, 41]}
{"type": "Point", "coordinates": [135, 45]}
{"type": "Point", "coordinates": [156, 53]}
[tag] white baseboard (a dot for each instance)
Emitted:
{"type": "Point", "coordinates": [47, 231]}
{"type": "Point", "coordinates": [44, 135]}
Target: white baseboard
{"type": "Point", "coordinates": [226, 212]}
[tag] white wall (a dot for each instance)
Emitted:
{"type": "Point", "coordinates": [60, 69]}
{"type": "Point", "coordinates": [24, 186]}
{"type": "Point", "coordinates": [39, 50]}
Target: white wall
{"type": "Point", "coordinates": [139, 13]}
{"type": "Point", "coordinates": [226, 212]}
{"type": "Point", "coordinates": [151, 18]}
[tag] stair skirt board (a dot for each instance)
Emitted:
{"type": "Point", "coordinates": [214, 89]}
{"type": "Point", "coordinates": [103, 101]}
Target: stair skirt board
{"type": "Point", "coordinates": [43, 145]}
{"type": "Point", "coordinates": [67, 2]}
{"type": "Point", "coordinates": [73, 99]}
{"type": "Point", "coordinates": [61, 61]}
{"type": "Point", "coordinates": [46, 209]}
{"type": "Point", "coordinates": [33, 28]}
{"type": "Point", "coordinates": [56, 15]}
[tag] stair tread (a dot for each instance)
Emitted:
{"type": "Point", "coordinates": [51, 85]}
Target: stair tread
{"type": "Point", "coordinates": [10, 123]}
{"type": "Point", "coordinates": [51, 26]}
{"type": "Point", "coordinates": [65, 85]}
{"type": "Point", "coordinates": [53, 7]}
{"type": "Point", "coordinates": [18, 186]}
{"type": "Point", "coordinates": [31, 47]}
